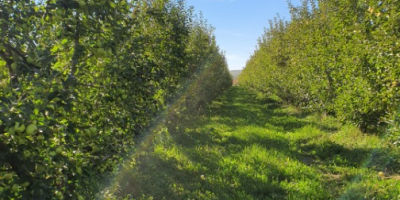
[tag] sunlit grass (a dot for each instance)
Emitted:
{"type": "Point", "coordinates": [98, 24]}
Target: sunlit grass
{"type": "Point", "coordinates": [251, 147]}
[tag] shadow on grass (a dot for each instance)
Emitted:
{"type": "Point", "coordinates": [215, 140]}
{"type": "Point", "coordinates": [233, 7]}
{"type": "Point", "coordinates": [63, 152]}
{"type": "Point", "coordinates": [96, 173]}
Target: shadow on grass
{"type": "Point", "coordinates": [238, 108]}
{"type": "Point", "coordinates": [160, 177]}
{"type": "Point", "coordinates": [231, 183]}
{"type": "Point", "coordinates": [155, 177]}
{"type": "Point", "coordinates": [326, 152]}
{"type": "Point", "coordinates": [333, 153]}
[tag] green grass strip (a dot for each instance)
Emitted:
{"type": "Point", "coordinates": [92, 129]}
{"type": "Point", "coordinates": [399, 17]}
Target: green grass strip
{"type": "Point", "coordinates": [248, 146]}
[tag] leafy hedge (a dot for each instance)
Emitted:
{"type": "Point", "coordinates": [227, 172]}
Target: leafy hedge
{"type": "Point", "coordinates": [81, 78]}
{"type": "Point", "coordinates": [338, 56]}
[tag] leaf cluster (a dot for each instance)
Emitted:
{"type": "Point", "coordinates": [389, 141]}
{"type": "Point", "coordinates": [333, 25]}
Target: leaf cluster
{"type": "Point", "coordinates": [80, 79]}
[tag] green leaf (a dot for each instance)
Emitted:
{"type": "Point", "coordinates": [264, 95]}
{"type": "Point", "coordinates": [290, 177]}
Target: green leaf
{"type": "Point", "coordinates": [64, 41]}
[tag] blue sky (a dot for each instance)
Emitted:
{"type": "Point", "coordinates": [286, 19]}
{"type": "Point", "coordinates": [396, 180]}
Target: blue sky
{"type": "Point", "coordinates": [239, 23]}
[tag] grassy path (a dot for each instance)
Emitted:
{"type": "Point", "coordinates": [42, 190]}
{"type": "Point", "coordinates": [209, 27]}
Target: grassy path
{"type": "Point", "coordinates": [249, 147]}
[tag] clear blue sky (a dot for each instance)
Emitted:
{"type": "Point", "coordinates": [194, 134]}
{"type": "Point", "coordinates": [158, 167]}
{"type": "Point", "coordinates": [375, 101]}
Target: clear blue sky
{"type": "Point", "coordinates": [239, 23]}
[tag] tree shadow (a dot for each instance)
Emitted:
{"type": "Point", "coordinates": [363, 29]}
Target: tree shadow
{"type": "Point", "coordinates": [164, 178]}
{"type": "Point", "coordinates": [235, 184]}
{"type": "Point", "coordinates": [332, 153]}
{"type": "Point", "coordinates": [240, 108]}
{"type": "Point", "coordinates": [155, 177]}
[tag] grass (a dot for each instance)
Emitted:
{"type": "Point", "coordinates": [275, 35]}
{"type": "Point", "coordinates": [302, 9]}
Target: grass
{"type": "Point", "coordinates": [247, 146]}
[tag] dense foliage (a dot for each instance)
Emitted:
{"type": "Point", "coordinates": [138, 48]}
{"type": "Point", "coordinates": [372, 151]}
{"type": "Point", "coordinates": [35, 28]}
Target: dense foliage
{"type": "Point", "coordinates": [81, 78]}
{"type": "Point", "coordinates": [335, 56]}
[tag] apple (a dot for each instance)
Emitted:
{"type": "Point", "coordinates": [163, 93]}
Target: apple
{"type": "Point", "coordinates": [58, 150]}
{"type": "Point", "coordinates": [52, 153]}
{"type": "Point", "coordinates": [27, 153]}
{"type": "Point", "coordinates": [39, 168]}
{"type": "Point", "coordinates": [22, 141]}
{"type": "Point", "coordinates": [86, 45]}
{"type": "Point", "coordinates": [30, 60]}
{"type": "Point", "coordinates": [59, 12]}
{"type": "Point", "coordinates": [93, 130]}
{"type": "Point", "coordinates": [14, 66]}
{"type": "Point", "coordinates": [102, 64]}
{"type": "Point", "coordinates": [78, 170]}
{"type": "Point", "coordinates": [81, 3]}
{"type": "Point", "coordinates": [24, 26]}
{"type": "Point", "coordinates": [99, 44]}
{"type": "Point", "coordinates": [91, 3]}
{"type": "Point", "coordinates": [16, 126]}
{"type": "Point", "coordinates": [40, 138]}
{"type": "Point", "coordinates": [15, 188]}
{"type": "Point", "coordinates": [8, 176]}
{"type": "Point", "coordinates": [100, 51]}
{"type": "Point", "coordinates": [59, 180]}
{"type": "Point", "coordinates": [59, 195]}
{"type": "Point", "coordinates": [57, 18]}
{"type": "Point", "coordinates": [79, 196]}
{"type": "Point", "coordinates": [11, 130]}
{"type": "Point", "coordinates": [87, 131]}
{"type": "Point", "coordinates": [20, 129]}
{"type": "Point", "coordinates": [31, 129]}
